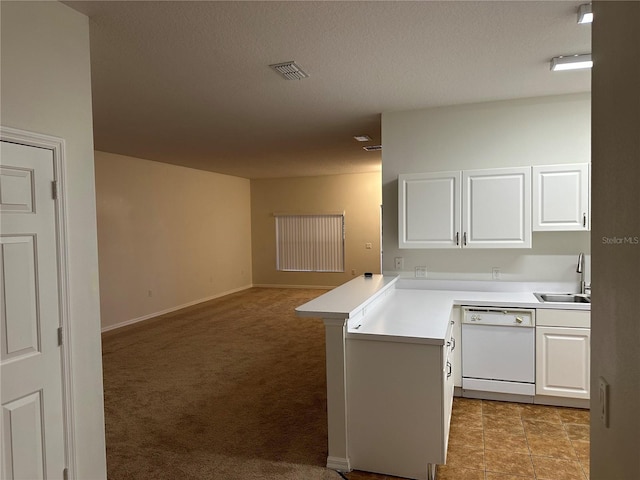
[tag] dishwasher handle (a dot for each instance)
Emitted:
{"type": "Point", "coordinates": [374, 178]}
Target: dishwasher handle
{"type": "Point", "coordinates": [490, 310]}
{"type": "Point", "coordinates": [516, 317]}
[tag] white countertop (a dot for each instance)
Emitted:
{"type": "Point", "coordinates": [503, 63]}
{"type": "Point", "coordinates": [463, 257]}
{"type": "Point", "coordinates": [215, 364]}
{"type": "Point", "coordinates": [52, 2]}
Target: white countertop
{"type": "Point", "coordinates": [416, 316]}
{"type": "Point", "coordinates": [347, 300]}
{"type": "Point", "coordinates": [384, 308]}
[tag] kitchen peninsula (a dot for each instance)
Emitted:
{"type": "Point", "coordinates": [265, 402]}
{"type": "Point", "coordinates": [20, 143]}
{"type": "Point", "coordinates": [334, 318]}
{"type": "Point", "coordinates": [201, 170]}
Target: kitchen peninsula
{"type": "Point", "coordinates": [392, 364]}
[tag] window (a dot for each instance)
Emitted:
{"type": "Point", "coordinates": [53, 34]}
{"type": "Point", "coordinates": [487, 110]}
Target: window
{"type": "Point", "coordinates": [310, 243]}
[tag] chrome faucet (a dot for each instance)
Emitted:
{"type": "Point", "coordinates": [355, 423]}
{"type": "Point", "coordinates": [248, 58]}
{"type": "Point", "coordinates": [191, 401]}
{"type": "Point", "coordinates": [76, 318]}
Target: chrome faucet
{"type": "Point", "coordinates": [585, 288]}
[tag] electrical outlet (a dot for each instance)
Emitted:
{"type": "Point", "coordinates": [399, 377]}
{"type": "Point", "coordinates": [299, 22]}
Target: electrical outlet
{"type": "Point", "coordinates": [353, 271]}
{"type": "Point", "coordinates": [368, 246]}
{"type": "Point", "coordinates": [421, 272]}
{"type": "Point", "coordinates": [603, 401]}
{"type": "Point", "coordinates": [495, 273]}
{"type": "Point", "coordinates": [399, 263]}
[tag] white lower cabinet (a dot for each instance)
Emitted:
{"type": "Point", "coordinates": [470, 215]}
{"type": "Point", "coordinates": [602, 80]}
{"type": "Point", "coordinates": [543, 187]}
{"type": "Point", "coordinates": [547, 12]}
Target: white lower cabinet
{"type": "Point", "coordinates": [456, 334]}
{"type": "Point", "coordinates": [563, 353]}
{"type": "Point", "coordinates": [399, 398]}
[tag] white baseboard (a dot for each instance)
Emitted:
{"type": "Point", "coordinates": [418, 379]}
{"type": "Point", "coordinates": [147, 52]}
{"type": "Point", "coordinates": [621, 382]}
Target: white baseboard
{"type": "Point", "coordinates": [276, 285]}
{"type": "Point", "coordinates": [339, 464]}
{"type": "Point", "coordinates": [173, 309]}
{"type": "Point", "coordinates": [562, 401]}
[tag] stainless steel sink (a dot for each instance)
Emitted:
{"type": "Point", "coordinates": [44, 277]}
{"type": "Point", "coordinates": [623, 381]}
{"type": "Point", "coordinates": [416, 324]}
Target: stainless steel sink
{"type": "Point", "coordinates": [563, 298]}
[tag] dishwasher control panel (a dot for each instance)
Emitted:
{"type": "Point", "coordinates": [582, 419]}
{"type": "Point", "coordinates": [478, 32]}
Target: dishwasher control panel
{"type": "Point", "coordinates": [515, 317]}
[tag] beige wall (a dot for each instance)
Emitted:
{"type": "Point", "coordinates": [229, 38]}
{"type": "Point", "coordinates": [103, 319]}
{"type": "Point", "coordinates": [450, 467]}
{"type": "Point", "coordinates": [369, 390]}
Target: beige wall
{"type": "Point", "coordinates": [46, 88]}
{"type": "Point", "coordinates": [358, 195]}
{"type": "Point", "coordinates": [533, 131]}
{"type": "Point", "coordinates": [168, 236]}
{"type": "Point", "coordinates": [615, 326]}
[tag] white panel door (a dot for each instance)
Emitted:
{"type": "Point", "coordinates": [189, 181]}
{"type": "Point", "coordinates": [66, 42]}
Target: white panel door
{"type": "Point", "coordinates": [429, 210]}
{"type": "Point", "coordinates": [31, 365]}
{"type": "Point", "coordinates": [497, 208]}
{"type": "Point", "coordinates": [561, 197]}
{"type": "Point", "coordinates": [563, 361]}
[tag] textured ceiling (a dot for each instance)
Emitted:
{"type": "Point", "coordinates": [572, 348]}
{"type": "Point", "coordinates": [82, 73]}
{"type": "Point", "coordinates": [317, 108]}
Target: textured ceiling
{"type": "Point", "coordinates": [189, 83]}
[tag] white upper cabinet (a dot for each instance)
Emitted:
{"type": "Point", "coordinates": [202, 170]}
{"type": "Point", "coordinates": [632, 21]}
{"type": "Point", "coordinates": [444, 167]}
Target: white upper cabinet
{"type": "Point", "coordinates": [429, 210]}
{"type": "Point", "coordinates": [561, 197]}
{"type": "Point", "coordinates": [497, 208]}
{"type": "Point", "coordinates": [472, 209]}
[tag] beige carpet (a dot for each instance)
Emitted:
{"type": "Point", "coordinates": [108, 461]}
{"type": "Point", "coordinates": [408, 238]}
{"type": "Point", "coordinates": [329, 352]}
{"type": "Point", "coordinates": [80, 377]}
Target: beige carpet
{"type": "Point", "coordinates": [230, 389]}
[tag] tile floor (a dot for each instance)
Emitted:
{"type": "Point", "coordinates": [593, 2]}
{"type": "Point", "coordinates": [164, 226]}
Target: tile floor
{"type": "Point", "coordinates": [512, 441]}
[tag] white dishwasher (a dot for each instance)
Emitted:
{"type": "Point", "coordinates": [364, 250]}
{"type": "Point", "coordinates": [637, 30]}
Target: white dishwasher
{"type": "Point", "coordinates": [498, 351]}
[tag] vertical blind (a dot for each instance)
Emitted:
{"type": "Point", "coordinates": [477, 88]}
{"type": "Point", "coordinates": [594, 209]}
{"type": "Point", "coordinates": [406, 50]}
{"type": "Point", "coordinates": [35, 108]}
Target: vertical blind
{"type": "Point", "coordinates": [310, 243]}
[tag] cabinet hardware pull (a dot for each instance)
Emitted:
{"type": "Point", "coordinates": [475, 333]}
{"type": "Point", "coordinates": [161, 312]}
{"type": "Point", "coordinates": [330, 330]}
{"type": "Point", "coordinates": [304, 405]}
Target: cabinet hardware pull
{"type": "Point", "coordinates": [448, 369]}
{"type": "Point", "coordinates": [464, 238]}
{"type": "Point", "coordinates": [584, 219]}
{"type": "Point", "coordinates": [453, 341]}
{"type": "Point", "coordinates": [457, 238]}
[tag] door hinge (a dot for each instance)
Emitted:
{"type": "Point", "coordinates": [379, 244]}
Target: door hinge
{"type": "Point", "coordinates": [65, 474]}
{"type": "Point", "coordinates": [54, 190]}
{"type": "Point", "coordinates": [59, 336]}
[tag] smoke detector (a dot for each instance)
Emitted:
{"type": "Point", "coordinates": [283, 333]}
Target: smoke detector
{"type": "Point", "coordinates": [290, 70]}
{"type": "Point", "coordinates": [372, 148]}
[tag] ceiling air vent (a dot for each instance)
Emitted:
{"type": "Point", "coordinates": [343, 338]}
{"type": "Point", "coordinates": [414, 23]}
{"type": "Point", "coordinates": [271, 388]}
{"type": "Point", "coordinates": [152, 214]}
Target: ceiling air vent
{"type": "Point", "coordinates": [372, 148]}
{"type": "Point", "coordinates": [289, 70]}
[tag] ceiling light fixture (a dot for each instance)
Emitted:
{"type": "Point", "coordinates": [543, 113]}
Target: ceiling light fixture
{"type": "Point", "coordinates": [372, 148]}
{"type": "Point", "coordinates": [362, 138]}
{"type": "Point", "coordinates": [585, 13]}
{"type": "Point", "coordinates": [571, 62]}
{"type": "Point", "coordinates": [290, 70]}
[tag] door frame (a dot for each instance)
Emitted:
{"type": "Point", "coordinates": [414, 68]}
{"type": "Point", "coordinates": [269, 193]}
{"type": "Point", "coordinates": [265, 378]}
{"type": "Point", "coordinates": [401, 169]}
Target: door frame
{"type": "Point", "coordinates": [57, 147]}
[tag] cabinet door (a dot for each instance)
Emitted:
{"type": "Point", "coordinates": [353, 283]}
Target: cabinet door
{"type": "Point", "coordinates": [563, 361]}
{"type": "Point", "coordinates": [448, 386]}
{"type": "Point", "coordinates": [497, 208]}
{"type": "Point", "coordinates": [456, 350]}
{"type": "Point", "coordinates": [395, 406]}
{"type": "Point", "coordinates": [561, 197]}
{"type": "Point", "coordinates": [429, 210]}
